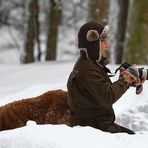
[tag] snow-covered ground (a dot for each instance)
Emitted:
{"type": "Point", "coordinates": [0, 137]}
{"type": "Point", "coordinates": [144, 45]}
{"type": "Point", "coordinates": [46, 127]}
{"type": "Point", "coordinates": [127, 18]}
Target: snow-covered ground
{"type": "Point", "coordinates": [23, 81]}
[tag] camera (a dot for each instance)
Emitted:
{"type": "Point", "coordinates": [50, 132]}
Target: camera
{"type": "Point", "coordinates": [143, 73]}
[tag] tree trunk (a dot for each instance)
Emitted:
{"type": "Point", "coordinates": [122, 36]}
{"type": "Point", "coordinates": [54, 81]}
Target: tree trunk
{"type": "Point", "coordinates": [98, 10]}
{"type": "Point", "coordinates": [31, 32]}
{"type": "Point", "coordinates": [137, 39]}
{"type": "Point", "coordinates": [38, 36]}
{"type": "Point", "coordinates": [54, 21]}
{"type": "Point", "coordinates": [121, 29]}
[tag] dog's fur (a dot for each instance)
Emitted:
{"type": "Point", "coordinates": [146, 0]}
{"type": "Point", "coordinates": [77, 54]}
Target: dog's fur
{"type": "Point", "coordinates": [48, 108]}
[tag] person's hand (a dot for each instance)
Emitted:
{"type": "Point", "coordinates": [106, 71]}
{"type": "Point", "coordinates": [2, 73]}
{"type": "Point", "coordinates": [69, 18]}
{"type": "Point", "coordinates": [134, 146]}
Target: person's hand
{"type": "Point", "coordinates": [139, 85]}
{"type": "Point", "coordinates": [130, 75]}
{"type": "Point", "coordinates": [133, 78]}
{"type": "Point", "coordinates": [139, 82]}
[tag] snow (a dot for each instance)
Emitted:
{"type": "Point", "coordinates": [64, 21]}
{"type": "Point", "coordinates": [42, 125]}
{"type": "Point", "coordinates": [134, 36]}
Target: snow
{"type": "Point", "coordinates": [24, 81]}
{"type": "Point", "coordinates": [62, 136]}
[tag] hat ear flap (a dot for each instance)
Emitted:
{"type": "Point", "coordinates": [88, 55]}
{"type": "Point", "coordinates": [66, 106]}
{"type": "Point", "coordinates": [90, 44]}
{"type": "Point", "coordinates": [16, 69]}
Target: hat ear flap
{"type": "Point", "coordinates": [93, 51]}
{"type": "Point", "coordinates": [92, 35]}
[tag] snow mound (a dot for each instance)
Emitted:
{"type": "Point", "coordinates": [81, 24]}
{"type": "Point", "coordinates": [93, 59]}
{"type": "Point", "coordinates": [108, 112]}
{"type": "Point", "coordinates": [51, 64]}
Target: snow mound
{"type": "Point", "coordinates": [135, 118]}
{"type": "Point", "coordinates": [30, 123]}
{"type": "Point", "coordinates": [62, 136]}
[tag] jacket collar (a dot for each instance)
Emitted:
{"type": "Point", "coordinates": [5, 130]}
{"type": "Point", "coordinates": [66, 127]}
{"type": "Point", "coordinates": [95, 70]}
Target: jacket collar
{"type": "Point", "coordinates": [102, 64]}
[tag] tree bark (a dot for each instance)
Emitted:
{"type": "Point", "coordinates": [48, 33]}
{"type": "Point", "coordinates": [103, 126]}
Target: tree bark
{"type": "Point", "coordinates": [38, 36]}
{"type": "Point", "coordinates": [98, 10]}
{"type": "Point", "coordinates": [136, 43]}
{"type": "Point", "coordinates": [121, 30]}
{"type": "Point", "coordinates": [31, 32]}
{"type": "Point", "coordinates": [54, 21]}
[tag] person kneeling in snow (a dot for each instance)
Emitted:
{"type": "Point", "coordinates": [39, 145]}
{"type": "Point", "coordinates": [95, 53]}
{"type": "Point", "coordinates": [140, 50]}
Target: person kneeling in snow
{"type": "Point", "coordinates": [91, 93]}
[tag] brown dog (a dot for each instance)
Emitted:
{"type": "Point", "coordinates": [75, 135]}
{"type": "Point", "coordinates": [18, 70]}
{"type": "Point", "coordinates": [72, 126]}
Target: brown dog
{"type": "Point", "coordinates": [48, 108]}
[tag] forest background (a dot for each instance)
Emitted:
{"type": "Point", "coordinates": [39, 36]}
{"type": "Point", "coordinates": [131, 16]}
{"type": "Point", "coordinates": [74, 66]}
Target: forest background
{"type": "Point", "coordinates": [43, 30]}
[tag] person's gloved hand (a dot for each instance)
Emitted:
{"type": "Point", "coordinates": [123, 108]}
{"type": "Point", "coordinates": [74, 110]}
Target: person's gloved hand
{"type": "Point", "coordinates": [139, 85]}
{"type": "Point", "coordinates": [130, 75]}
{"type": "Point", "coordinates": [139, 82]}
{"type": "Point", "coordinates": [140, 76]}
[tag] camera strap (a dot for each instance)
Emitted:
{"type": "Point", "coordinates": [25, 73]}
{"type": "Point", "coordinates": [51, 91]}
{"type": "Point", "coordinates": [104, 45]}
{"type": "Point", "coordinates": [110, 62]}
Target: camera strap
{"type": "Point", "coordinates": [123, 66]}
{"type": "Point", "coordinates": [107, 70]}
{"type": "Point", "coordinates": [113, 74]}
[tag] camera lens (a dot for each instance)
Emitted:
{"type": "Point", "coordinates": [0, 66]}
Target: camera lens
{"type": "Point", "coordinates": [143, 73]}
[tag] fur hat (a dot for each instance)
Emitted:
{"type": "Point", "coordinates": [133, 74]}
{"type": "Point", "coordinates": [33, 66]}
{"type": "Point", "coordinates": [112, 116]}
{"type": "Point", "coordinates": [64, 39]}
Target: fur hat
{"type": "Point", "coordinates": [89, 37]}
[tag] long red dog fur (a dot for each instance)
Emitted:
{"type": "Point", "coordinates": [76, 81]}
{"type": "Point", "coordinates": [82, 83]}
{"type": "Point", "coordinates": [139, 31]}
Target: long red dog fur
{"type": "Point", "coordinates": [48, 108]}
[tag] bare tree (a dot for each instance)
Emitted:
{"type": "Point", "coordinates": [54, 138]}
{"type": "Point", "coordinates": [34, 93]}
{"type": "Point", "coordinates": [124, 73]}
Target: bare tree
{"type": "Point", "coordinates": [31, 32]}
{"type": "Point", "coordinates": [13, 24]}
{"type": "Point", "coordinates": [121, 29]}
{"type": "Point", "coordinates": [54, 21]}
{"type": "Point", "coordinates": [136, 41]}
{"type": "Point", "coordinates": [98, 10]}
{"type": "Point", "coordinates": [38, 36]}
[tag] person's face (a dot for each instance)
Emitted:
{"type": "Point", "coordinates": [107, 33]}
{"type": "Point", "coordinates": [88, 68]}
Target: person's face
{"type": "Point", "coordinates": [104, 48]}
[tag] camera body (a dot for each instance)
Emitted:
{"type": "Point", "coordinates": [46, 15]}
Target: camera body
{"type": "Point", "coordinates": [143, 73]}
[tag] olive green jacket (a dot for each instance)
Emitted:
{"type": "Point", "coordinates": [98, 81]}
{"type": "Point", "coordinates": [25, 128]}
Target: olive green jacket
{"type": "Point", "coordinates": [91, 93]}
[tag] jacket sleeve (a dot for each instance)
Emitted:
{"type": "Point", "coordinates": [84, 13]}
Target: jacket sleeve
{"type": "Point", "coordinates": [100, 87]}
